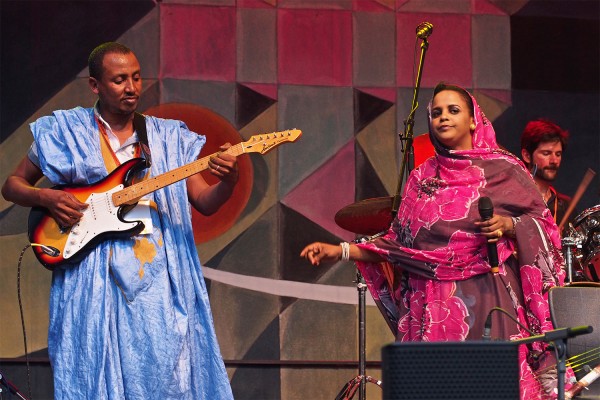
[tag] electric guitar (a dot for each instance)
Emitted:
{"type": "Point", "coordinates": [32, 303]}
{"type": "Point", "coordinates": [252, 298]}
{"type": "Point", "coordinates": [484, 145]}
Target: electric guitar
{"type": "Point", "coordinates": [112, 197]}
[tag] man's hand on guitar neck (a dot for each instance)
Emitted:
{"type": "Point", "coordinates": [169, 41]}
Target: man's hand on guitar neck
{"type": "Point", "coordinates": [224, 166]}
{"type": "Point", "coordinates": [207, 199]}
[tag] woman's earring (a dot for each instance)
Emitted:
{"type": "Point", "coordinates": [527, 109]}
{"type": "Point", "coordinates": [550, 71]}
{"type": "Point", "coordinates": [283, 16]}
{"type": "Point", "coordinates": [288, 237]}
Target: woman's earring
{"type": "Point", "coordinates": [472, 127]}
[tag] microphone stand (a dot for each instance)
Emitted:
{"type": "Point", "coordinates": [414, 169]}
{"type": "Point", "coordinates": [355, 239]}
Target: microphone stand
{"type": "Point", "coordinates": [559, 338]}
{"type": "Point", "coordinates": [409, 123]}
{"type": "Point", "coordinates": [360, 282]}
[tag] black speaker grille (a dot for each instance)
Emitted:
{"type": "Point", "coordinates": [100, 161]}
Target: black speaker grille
{"type": "Point", "coordinates": [450, 370]}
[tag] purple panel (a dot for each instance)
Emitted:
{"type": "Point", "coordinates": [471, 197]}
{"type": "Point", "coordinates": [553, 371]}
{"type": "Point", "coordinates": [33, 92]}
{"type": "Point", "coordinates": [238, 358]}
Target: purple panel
{"type": "Point", "coordinates": [325, 116]}
{"type": "Point", "coordinates": [448, 57]}
{"type": "Point", "coordinates": [256, 3]}
{"type": "Point", "coordinates": [256, 57]}
{"type": "Point", "coordinates": [315, 4]}
{"type": "Point", "coordinates": [144, 39]}
{"type": "Point", "coordinates": [374, 65]}
{"type": "Point", "coordinates": [491, 52]}
{"type": "Point", "coordinates": [198, 42]}
{"type": "Point", "coordinates": [438, 6]}
{"type": "Point", "coordinates": [325, 192]}
{"type": "Point", "coordinates": [315, 47]}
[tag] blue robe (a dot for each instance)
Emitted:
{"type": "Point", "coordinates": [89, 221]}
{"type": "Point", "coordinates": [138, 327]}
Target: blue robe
{"type": "Point", "coordinates": [132, 320]}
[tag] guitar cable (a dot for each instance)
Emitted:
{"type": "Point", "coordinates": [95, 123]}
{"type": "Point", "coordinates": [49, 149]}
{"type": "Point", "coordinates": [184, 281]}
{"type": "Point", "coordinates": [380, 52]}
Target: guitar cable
{"type": "Point", "coordinates": [51, 251]}
{"type": "Point", "coordinates": [23, 318]}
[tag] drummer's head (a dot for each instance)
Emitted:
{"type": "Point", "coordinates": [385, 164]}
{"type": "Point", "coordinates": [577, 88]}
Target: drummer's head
{"type": "Point", "coordinates": [542, 145]}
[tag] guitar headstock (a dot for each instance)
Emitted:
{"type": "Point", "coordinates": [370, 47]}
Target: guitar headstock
{"type": "Point", "coordinates": [266, 142]}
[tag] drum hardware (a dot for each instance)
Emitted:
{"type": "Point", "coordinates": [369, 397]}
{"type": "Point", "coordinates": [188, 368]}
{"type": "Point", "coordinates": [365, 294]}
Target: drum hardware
{"type": "Point", "coordinates": [582, 245]}
{"type": "Point", "coordinates": [569, 243]}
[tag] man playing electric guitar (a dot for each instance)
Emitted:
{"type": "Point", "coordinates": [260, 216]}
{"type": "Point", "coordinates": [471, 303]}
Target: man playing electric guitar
{"type": "Point", "coordinates": [130, 317]}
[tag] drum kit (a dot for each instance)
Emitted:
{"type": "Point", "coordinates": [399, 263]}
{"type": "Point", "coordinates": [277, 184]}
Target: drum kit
{"type": "Point", "coordinates": [581, 247]}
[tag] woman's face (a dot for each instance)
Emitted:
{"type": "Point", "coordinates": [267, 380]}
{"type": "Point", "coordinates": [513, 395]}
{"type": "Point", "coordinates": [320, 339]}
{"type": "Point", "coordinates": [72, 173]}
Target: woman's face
{"type": "Point", "coordinates": [451, 120]}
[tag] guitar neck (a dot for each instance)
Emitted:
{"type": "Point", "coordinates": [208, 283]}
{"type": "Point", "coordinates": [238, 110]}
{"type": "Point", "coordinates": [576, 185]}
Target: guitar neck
{"type": "Point", "coordinates": [133, 193]}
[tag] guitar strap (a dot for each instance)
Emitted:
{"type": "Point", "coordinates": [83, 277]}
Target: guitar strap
{"type": "Point", "coordinates": [139, 124]}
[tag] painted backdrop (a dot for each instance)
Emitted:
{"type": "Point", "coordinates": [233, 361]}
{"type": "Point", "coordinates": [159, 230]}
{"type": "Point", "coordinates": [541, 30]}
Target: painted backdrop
{"type": "Point", "coordinates": [342, 71]}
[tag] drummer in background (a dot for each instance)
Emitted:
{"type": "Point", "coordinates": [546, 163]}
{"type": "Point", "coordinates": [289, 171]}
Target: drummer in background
{"type": "Point", "coordinates": [542, 146]}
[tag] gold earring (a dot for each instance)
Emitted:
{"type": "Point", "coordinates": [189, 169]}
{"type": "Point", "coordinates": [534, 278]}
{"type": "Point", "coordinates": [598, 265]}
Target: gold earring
{"type": "Point", "coordinates": [472, 127]}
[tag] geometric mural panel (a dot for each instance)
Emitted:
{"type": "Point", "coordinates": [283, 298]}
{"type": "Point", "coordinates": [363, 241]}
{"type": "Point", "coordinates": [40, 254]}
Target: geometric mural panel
{"type": "Point", "coordinates": [374, 65]}
{"type": "Point", "coordinates": [324, 115]}
{"type": "Point", "coordinates": [320, 206]}
{"type": "Point", "coordinates": [442, 62]}
{"type": "Point", "coordinates": [256, 55]}
{"type": "Point", "coordinates": [205, 38]}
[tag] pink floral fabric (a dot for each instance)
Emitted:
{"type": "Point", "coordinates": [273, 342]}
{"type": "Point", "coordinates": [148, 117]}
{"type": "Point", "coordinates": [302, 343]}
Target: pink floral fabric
{"type": "Point", "coordinates": [441, 287]}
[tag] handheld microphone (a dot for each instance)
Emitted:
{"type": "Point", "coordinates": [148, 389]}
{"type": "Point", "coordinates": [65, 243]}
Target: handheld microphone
{"type": "Point", "coordinates": [486, 211]}
{"type": "Point", "coordinates": [424, 29]}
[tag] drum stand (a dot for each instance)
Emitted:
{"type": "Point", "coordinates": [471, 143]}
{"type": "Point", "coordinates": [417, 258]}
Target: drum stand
{"type": "Point", "coordinates": [570, 243]}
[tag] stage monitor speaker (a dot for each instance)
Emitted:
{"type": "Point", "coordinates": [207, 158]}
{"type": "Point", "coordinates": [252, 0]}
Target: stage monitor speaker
{"type": "Point", "coordinates": [450, 370]}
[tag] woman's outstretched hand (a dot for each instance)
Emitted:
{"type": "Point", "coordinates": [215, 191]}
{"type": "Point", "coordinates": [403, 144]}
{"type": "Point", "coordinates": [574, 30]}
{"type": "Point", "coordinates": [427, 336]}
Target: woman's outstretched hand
{"type": "Point", "coordinates": [317, 252]}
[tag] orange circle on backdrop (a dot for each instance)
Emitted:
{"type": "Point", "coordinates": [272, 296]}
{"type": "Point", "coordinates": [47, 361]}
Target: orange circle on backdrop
{"type": "Point", "coordinates": [218, 131]}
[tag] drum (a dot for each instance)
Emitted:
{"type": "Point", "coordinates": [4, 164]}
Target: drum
{"type": "Point", "coordinates": [586, 231]}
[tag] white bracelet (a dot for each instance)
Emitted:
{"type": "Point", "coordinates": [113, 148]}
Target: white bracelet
{"type": "Point", "coordinates": [345, 251]}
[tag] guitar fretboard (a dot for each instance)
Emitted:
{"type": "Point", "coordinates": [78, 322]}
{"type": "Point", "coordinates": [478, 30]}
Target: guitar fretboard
{"type": "Point", "coordinates": [133, 193]}
{"type": "Point", "coordinates": [262, 143]}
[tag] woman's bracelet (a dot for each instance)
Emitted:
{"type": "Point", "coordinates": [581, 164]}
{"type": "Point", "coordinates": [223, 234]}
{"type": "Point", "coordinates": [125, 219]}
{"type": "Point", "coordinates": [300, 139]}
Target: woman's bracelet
{"type": "Point", "coordinates": [345, 251]}
{"type": "Point", "coordinates": [513, 231]}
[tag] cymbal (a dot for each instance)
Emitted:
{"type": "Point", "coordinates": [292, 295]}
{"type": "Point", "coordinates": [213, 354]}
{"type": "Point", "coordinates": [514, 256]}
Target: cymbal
{"type": "Point", "coordinates": [366, 217]}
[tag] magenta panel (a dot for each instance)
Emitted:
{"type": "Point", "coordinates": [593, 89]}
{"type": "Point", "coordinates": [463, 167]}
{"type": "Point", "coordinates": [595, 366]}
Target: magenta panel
{"type": "Point", "coordinates": [198, 42]}
{"type": "Point", "coordinates": [485, 7]}
{"type": "Point", "coordinates": [448, 57]}
{"type": "Point", "coordinates": [315, 47]}
{"type": "Point", "coordinates": [374, 5]}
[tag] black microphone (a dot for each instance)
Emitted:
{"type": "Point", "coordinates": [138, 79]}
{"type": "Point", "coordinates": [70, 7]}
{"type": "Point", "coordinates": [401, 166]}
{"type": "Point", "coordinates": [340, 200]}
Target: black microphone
{"type": "Point", "coordinates": [487, 327]}
{"type": "Point", "coordinates": [424, 29]}
{"type": "Point", "coordinates": [486, 211]}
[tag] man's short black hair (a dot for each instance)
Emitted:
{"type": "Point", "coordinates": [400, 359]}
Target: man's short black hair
{"type": "Point", "coordinates": [97, 56]}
